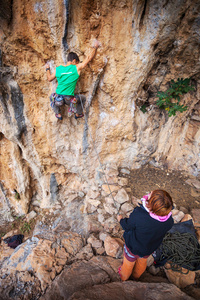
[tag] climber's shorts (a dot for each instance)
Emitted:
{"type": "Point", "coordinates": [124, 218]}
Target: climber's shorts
{"type": "Point", "coordinates": [130, 256]}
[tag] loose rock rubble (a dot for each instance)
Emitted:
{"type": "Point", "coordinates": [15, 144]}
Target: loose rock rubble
{"type": "Point", "coordinates": [84, 237]}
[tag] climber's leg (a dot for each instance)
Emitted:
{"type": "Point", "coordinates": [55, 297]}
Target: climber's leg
{"type": "Point", "coordinates": [81, 99]}
{"type": "Point", "coordinates": [55, 108]}
{"type": "Point", "coordinates": [67, 100]}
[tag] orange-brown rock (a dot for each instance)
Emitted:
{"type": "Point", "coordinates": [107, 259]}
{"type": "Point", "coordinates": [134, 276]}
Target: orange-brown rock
{"type": "Point", "coordinates": [187, 217]}
{"type": "Point", "coordinates": [196, 217]}
{"type": "Point", "coordinates": [139, 55]}
{"type": "Point", "coordinates": [113, 246]}
{"type": "Point", "coordinates": [181, 280]}
{"type": "Point", "coordinates": [198, 234]}
{"type": "Point", "coordinates": [45, 258]}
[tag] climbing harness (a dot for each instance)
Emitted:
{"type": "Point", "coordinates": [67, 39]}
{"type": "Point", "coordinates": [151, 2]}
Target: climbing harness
{"type": "Point", "coordinates": [72, 108]}
{"type": "Point", "coordinates": [59, 100]}
{"type": "Point", "coordinates": [181, 250]}
{"type": "Point", "coordinates": [99, 158]}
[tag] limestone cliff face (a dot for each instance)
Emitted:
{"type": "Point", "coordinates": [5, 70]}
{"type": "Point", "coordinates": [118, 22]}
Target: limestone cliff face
{"type": "Point", "coordinates": [145, 44]}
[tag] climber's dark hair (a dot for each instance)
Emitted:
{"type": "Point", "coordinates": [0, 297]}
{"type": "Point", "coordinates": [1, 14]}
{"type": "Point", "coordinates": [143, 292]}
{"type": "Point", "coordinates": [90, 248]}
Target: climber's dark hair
{"type": "Point", "coordinates": [71, 56]}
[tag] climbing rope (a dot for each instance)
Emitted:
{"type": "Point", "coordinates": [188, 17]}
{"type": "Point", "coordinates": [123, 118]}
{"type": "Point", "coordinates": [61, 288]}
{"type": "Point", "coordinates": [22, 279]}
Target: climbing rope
{"type": "Point", "coordinates": [99, 158]}
{"type": "Point", "coordinates": [93, 92]}
{"type": "Point", "coordinates": [181, 250]}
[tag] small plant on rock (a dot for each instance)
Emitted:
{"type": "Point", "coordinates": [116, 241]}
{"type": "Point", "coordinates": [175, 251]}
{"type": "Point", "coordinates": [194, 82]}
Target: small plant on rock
{"type": "Point", "coordinates": [143, 108]}
{"type": "Point", "coordinates": [17, 195]}
{"type": "Point", "coordinates": [26, 227]}
{"type": "Point", "coordinates": [176, 89]}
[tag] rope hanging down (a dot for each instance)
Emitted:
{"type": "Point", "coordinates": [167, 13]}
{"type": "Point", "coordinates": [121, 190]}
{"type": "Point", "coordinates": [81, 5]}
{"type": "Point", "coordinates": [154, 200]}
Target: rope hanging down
{"type": "Point", "coordinates": [181, 250]}
{"type": "Point", "coordinates": [98, 157]}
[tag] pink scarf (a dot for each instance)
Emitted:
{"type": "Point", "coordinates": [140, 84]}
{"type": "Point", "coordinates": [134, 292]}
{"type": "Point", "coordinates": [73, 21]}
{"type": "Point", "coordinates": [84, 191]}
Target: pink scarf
{"type": "Point", "coordinates": [152, 215]}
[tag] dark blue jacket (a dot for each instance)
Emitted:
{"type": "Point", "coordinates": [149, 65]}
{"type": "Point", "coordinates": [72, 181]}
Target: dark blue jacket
{"type": "Point", "coordinates": [143, 234]}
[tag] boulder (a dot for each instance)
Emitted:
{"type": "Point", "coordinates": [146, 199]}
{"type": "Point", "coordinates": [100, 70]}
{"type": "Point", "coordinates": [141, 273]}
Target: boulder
{"type": "Point", "coordinates": [121, 196]}
{"type": "Point", "coordinates": [72, 242]}
{"type": "Point", "coordinates": [101, 218]}
{"type": "Point", "coordinates": [43, 257]}
{"type": "Point", "coordinates": [92, 225]}
{"type": "Point", "coordinates": [113, 246]}
{"type": "Point", "coordinates": [130, 290]}
{"type": "Point", "coordinates": [10, 233]}
{"type": "Point", "coordinates": [178, 217]}
{"type": "Point", "coordinates": [85, 253]}
{"type": "Point", "coordinates": [150, 260]}
{"type": "Point", "coordinates": [196, 217]}
{"type": "Point", "coordinates": [92, 194]}
{"type": "Point", "coordinates": [89, 209]}
{"type": "Point", "coordinates": [21, 285]}
{"type": "Point", "coordinates": [100, 251]}
{"type": "Point", "coordinates": [179, 279]}
{"type": "Point", "coordinates": [95, 243]}
{"type": "Point", "coordinates": [81, 194]}
{"type": "Point", "coordinates": [111, 171]}
{"type": "Point", "coordinates": [109, 208]}
{"type": "Point", "coordinates": [174, 212]}
{"type": "Point", "coordinates": [198, 234]}
{"type": "Point", "coordinates": [94, 202]}
{"type": "Point", "coordinates": [153, 270]}
{"type": "Point", "coordinates": [125, 171]}
{"type": "Point", "coordinates": [110, 200]}
{"type": "Point", "coordinates": [67, 198]}
{"type": "Point", "coordinates": [112, 224]}
{"type": "Point", "coordinates": [5, 251]}
{"type": "Point", "coordinates": [78, 276]}
{"type": "Point", "coordinates": [102, 236]}
{"type": "Point", "coordinates": [187, 217]}
{"type": "Point", "coordinates": [122, 181]}
{"type": "Point", "coordinates": [109, 189]}
{"type": "Point", "coordinates": [195, 182]}
{"type": "Point", "coordinates": [31, 215]}
{"type": "Point", "coordinates": [127, 207]}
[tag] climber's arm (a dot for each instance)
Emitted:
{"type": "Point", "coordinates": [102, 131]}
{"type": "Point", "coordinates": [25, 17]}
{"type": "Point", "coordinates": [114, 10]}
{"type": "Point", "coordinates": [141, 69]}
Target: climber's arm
{"type": "Point", "coordinates": [50, 76]}
{"type": "Point", "coordinates": [82, 65]}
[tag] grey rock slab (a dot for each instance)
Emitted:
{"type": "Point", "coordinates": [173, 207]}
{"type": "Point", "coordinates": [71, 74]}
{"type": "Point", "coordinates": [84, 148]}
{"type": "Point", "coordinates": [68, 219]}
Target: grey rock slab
{"type": "Point", "coordinates": [125, 171]}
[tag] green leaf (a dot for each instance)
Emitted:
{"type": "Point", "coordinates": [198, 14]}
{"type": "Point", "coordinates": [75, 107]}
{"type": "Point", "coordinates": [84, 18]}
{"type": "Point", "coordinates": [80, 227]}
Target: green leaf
{"type": "Point", "coordinates": [143, 108]}
{"type": "Point", "coordinates": [175, 91]}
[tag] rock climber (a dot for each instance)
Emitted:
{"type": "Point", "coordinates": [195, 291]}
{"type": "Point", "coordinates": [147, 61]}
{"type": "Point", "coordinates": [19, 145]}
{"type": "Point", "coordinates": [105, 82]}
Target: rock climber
{"type": "Point", "coordinates": [144, 231]}
{"type": "Point", "coordinates": [67, 76]}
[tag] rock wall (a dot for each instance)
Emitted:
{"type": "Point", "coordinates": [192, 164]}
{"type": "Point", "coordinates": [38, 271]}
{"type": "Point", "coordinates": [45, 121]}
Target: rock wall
{"type": "Point", "coordinates": [145, 44]}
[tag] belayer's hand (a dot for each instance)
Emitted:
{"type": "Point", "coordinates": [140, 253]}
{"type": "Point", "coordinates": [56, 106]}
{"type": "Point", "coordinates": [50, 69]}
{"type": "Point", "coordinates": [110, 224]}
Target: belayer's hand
{"type": "Point", "coordinates": [119, 217]}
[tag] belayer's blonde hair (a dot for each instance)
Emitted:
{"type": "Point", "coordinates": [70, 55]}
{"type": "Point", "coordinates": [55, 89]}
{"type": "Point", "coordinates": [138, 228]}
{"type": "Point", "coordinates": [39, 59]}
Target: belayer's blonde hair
{"type": "Point", "coordinates": [160, 203]}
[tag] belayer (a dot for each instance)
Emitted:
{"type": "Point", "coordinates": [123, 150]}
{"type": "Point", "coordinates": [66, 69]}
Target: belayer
{"type": "Point", "coordinates": [144, 231]}
{"type": "Point", "coordinates": [67, 76]}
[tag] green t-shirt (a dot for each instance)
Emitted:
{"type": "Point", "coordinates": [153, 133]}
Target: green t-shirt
{"type": "Point", "coordinates": [67, 77]}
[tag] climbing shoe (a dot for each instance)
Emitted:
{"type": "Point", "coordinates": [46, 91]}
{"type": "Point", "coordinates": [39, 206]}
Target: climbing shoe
{"type": "Point", "coordinates": [79, 116]}
{"type": "Point", "coordinates": [60, 118]}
